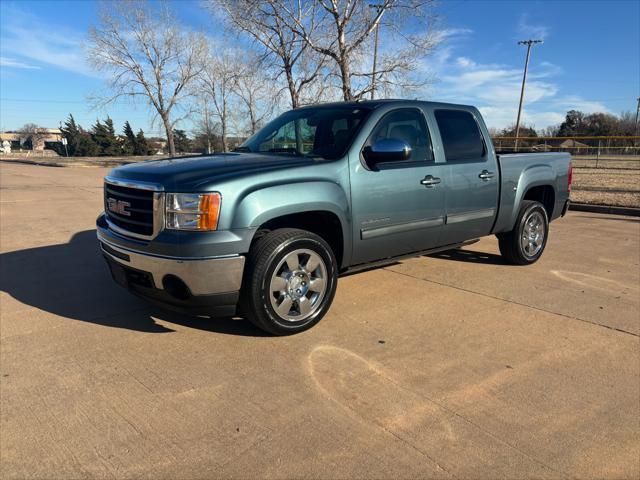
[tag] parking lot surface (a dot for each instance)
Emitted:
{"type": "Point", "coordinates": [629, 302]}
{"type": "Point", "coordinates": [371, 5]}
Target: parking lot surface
{"type": "Point", "coordinates": [453, 365]}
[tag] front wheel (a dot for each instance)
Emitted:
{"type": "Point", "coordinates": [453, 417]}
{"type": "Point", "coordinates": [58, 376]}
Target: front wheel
{"type": "Point", "coordinates": [525, 243]}
{"type": "Point", "coordinates": [290, 281]}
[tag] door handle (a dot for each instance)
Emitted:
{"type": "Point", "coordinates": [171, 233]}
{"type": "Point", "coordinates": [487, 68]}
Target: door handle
{"type": "Point", "coordinates": [486, 175]}
{"type": "Point", "coordinates": [429, 181]}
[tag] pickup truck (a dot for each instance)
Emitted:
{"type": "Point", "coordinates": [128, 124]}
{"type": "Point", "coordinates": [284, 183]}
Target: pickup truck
{"type": "Point", "coordinates": [265, 231]}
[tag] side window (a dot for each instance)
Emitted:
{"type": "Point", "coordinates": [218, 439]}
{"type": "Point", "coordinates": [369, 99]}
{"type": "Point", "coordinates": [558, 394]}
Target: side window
{"type": "Point", "coordinates": [460, 135]}
{"type": "Point", "coordinates": [408, 125]}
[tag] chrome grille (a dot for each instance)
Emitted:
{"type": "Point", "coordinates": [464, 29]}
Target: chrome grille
{"type": "Point", "coordinates": [133, 209]}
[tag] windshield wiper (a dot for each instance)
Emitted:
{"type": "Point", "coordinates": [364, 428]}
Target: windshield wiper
{"type": "Point", "coordinates": [242, 150]}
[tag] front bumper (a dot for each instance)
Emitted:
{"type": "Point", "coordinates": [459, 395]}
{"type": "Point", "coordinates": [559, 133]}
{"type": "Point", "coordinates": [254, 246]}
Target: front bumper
{"type": "Point", "coordinates": [196, 285]}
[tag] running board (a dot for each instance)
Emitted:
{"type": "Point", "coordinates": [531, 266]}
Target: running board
{"type": "Point", "coordinates": [388, 261]}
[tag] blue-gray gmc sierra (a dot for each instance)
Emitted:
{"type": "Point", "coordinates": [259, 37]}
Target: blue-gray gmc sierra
{"type": "Point", "coordinates": [318, 192]}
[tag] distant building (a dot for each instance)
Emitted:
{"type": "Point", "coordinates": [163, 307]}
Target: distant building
{"type": "Point", "coordinates": [40, 140]}
{"type": "Point", "coordinates": [574, 146]}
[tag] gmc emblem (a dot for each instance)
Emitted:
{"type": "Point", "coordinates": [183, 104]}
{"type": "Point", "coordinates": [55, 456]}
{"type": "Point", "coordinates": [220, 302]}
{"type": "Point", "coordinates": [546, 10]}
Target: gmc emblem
{"type": "Point", "coordinates": [118, 206]}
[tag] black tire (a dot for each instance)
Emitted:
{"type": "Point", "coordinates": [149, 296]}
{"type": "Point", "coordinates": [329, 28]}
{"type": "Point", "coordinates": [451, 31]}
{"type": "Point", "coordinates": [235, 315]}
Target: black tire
{"type": "Point", "coordinates": [510, 243]}
{"type": "Point", "coordinates": [265, 256]}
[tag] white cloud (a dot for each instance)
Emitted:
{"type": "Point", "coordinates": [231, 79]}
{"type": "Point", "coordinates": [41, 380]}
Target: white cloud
{"type": "Point", "coordinates": [12, 63]}
{"type": "Point", "coordinates": [448, 33]}
{"type": "Point", "coordinates": [495, 87]}
{"type": "Point", "coordinates": [43, 44]}
{"type": "Point", "coordinates": [574, 102]}
{"type": "Point", "coordinates": [465, 62]}
{"type": "Point", "coordinates": [527, 29]}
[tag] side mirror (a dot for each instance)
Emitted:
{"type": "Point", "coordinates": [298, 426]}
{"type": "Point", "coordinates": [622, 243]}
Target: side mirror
{"type": "Point", "coordinates": [387, 150]}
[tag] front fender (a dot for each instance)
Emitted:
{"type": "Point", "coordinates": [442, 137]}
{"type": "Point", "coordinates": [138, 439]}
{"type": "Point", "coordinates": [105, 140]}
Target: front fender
{"type": "Point", "coordinates": [267, 203]}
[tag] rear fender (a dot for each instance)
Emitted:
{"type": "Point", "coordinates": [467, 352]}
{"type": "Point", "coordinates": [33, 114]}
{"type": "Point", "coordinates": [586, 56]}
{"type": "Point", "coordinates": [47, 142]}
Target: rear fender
{"type": "Point", "coordinates": [512, 195]}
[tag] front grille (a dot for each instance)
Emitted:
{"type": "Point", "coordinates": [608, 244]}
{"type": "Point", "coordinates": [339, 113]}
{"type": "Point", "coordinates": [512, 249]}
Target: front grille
{"type": "Point", "coordinates": [138, 203]}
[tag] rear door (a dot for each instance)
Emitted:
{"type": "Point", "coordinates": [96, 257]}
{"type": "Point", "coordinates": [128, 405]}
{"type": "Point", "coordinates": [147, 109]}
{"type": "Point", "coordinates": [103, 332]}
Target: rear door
{"type": "Point", "coordinates": [470, 176]}
{"type": "Point", "coordinates": [398, 207]}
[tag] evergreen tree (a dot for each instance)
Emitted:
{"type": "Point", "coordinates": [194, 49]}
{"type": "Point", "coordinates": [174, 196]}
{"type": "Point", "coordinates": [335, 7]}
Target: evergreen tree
{"type": "Point", "coordinates": [181, 141]}
{"type": "Point", "coordinates": [573, 124]}
{"type": "Point", "coordinates": [71, 131]}
{"type": "Point", "coordinates": [105, 137]}
{"type": "Point", "coordinates": [142, 147]}
{"type": "Point", "coordinates": [79, 142]}
{"type": "Point", "coordinates": [130, 142]}
{"type": "Point", "coordinates": [86, 146]}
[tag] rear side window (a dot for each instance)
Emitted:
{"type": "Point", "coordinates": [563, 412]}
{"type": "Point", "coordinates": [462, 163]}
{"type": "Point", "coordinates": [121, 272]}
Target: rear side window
{"type": "Point", "coordinates": [460, 135]}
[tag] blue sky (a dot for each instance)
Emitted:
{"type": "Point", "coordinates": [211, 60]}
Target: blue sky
{"type": "Point", "coordinates": [590, 60]}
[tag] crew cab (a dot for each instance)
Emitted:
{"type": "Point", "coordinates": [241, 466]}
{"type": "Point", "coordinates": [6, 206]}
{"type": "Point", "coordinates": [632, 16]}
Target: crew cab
{"type": "Point", "coordinates": [265, 231]}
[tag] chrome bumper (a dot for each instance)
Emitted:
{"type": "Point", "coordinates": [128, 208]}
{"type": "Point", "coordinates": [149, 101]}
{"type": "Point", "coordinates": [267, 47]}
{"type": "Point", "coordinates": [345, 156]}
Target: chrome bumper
{"type": "Point", "coordinates": [203, 276]}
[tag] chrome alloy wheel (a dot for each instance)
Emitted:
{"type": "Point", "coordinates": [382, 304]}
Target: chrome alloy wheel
{"type": "Point", "coordinates": [533, 234]}
{"type": "Point", "coordinates": [298, 285]}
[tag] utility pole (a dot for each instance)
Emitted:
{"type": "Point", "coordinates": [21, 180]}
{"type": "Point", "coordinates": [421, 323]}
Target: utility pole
{"type": "Point", "coordinates": [637, 130]}
{"type": "Point", "coordinates": [528, 43]}
{"type": "Point", "coordinates": [378, 7]}
{"type": "Point", "coordinates": [637, 114]}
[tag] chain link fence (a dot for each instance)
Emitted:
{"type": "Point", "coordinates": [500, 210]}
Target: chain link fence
{"type": "Point", "coordinates": [611, 152]}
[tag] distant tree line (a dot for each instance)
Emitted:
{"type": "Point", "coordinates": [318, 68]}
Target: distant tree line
{"type": "Point", "coordinates": [579, 124]}
{"type": "Point", "coordinates": [101, 140]}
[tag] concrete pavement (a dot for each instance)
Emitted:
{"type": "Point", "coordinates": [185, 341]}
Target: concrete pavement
{"type": "Point", "coordinates": [453, 365]}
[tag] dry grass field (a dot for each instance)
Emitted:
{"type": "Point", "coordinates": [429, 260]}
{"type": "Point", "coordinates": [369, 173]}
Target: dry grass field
{"type": "Point", "coordinates": [604, 186]}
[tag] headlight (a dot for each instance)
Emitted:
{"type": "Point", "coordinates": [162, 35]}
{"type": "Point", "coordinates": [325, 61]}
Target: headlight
{"type": "Point", "coordinates": [192, 211]}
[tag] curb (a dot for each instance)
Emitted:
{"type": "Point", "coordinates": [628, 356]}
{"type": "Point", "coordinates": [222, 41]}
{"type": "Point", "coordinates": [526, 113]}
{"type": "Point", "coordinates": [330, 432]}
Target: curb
{"type": "Point", "coordinates": [610, 209]}
{"type": "Point", "coordinates": [44, 163]}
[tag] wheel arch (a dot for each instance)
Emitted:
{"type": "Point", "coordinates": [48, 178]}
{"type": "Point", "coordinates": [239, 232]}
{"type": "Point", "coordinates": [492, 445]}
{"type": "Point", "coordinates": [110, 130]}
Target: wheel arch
{"type": "Point", "coordinates": [319, 207]}
{"type": "Point", "coordinates": [536, 182]}
{"type": "Point", "coordinates": [324, 223]}
{"type": "Point", "coordinates": [545, 194]}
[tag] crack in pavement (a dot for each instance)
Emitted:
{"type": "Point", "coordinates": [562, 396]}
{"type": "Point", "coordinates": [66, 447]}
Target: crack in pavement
{"type": "Point", "coordinates": [616, 329]}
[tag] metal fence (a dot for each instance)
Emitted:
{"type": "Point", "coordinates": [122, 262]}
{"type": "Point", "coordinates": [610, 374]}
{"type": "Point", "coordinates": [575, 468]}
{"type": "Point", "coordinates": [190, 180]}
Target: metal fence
{"type": "Point", "coordinates": [617, 152]}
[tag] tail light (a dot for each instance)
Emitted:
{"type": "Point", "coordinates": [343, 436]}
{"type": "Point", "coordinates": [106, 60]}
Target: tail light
{"type": "Point", "coordinates": [569, 178]}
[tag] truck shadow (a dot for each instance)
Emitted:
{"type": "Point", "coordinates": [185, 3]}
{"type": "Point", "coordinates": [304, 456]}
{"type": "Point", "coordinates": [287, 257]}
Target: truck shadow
{"type": "Point", "coordinates": [470, 256]}
{"type": "Point", "coordinates": [72, 280]}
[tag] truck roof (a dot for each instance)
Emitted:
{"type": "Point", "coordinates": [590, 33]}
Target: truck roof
{"type": "Point", "coordinates": [386, 101]}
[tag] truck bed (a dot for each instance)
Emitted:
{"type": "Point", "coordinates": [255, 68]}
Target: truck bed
{"type": "Point", "coordinates": [518, 170]}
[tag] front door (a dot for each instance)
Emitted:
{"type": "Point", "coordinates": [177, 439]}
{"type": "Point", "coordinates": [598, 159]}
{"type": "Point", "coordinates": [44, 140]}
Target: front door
{"type": "Point", "coordinates": [398, 207]}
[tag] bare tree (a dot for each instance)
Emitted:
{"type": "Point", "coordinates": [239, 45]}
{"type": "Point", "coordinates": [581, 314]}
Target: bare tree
{"type": "Point", "coordinates": [217, 82]}
{"type": "Point", "coordinates": [283, 49]}
{"type": "Point", "coordinates": [343, 28]}
{"type": "Point", "coordinates": [205, 127]}
{"type": "Point", "coordinates": [255, 91]}
{"type": "Point", "coordinates": [147, 54]}
{"type": "Point", "coordinates": [33, 134]}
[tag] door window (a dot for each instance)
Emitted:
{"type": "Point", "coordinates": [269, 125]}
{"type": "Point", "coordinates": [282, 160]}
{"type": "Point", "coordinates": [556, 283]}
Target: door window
{"type": "Point", "coordinates": [407, 125]}
{"type": "Point", "coordinates": [461, 137]}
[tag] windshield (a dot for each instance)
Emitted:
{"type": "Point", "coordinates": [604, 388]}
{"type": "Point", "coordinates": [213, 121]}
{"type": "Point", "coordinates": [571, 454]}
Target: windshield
{"type": "Point", "coordinates": [324, 132]}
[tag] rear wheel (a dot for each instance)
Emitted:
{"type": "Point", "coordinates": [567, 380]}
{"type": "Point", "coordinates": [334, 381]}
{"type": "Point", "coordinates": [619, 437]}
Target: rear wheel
{"type": "Point", "coordinates": [525, 243]}
{"type": "Point", "coordinates": [290, 281]}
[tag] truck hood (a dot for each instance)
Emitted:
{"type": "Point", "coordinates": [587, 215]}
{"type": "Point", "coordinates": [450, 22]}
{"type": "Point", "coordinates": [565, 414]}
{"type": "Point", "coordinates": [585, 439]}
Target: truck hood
{"type": "Point", "coordinates": [190, 173]}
